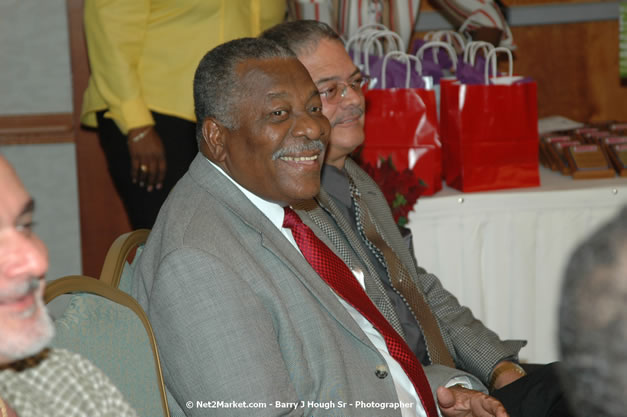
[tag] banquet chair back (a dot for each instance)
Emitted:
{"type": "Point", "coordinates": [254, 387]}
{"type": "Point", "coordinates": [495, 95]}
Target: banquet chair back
{"type": "Point", "coordinates": [108, 327]}
{"type": "Point", "coordinates": [117, 270]}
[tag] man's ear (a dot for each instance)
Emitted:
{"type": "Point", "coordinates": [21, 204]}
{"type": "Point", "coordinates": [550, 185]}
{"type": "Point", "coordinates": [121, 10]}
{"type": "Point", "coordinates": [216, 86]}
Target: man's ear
{"type": "Point", "coordinates": [214, 136]}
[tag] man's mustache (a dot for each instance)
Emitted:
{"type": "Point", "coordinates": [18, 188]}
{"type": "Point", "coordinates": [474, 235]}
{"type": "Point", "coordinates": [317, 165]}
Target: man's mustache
{"type": "Point", "coordinates": [313, 145]}
{"type": "Point", "coordinates": [351, 113]}
{"type": "Point", "coordinates": [20, 290]}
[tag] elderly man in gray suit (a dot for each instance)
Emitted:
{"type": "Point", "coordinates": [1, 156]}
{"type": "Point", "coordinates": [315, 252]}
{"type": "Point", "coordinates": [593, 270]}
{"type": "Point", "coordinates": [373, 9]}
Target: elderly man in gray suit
{"type": "Point", "coordinates": [355, 216]}
{"type": "Point", "coordinates": [249, 307]}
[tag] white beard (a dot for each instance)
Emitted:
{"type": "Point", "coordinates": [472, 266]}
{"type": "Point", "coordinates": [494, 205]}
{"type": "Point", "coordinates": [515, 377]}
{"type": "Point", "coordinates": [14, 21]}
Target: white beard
{"type": "Point", "coordinates": [25, 341]}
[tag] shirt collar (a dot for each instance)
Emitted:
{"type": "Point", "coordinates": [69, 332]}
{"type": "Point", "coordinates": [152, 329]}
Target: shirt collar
{"type": "Point", "coordinates": [274, 212]}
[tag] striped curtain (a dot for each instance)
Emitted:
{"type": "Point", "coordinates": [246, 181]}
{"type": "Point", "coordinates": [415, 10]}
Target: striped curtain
{"type": "Point", "coordinates": [469, 15]}
{"type": "Point", "coordinates": [346, 16]}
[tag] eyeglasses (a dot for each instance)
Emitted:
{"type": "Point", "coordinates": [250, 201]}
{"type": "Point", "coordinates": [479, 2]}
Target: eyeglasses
{"type": "Point", "coordinates": [336, 92]}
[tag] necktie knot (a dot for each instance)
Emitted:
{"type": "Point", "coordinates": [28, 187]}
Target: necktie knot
{"type": "Point", "coordinates": [291, 219]}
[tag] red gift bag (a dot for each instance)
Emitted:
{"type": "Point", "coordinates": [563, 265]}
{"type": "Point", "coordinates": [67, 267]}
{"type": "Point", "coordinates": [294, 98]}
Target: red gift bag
{"type": "Point", "coordinates": [490, 132]}
{"type": "Point", "coordinates": [402, 123]}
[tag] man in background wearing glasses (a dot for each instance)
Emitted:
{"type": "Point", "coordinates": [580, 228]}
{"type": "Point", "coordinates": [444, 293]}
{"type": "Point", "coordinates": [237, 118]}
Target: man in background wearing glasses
{"type": "Point", "coordinates": [357, 219]}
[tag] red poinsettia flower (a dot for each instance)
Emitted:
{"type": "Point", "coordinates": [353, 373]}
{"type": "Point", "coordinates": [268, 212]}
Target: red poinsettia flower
{"type": "Point", "coordinates": [400, 188]}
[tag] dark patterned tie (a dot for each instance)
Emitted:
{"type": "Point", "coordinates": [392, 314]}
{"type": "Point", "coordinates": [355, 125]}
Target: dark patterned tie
{"type": "Point", "coordinates": [337, 275]}
{"type": "Point", "coordinates": [402, 281]}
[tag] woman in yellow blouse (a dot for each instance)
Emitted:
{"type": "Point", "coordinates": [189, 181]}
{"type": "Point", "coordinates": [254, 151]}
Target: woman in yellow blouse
{"type": "Point", "coordinates": [143, 55]}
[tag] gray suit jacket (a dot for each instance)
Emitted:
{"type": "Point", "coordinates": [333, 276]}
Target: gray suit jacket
{"type": "Point", "coordinates": [474, 347]}
{"type": "Point", "coordinates": [239, 314]}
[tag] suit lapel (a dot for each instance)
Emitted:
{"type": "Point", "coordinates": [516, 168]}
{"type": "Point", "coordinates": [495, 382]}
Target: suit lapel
{"type": "Point", "coordinates": [414, 296]}
{"type": "Point", "coordinates": [278, 245]}
{"type": "Point", "coordinates": [316, 218]}
{"type": "Point", "coordinates": [380, 211]}
{"type": "Point", "coordinates": [274, 241]}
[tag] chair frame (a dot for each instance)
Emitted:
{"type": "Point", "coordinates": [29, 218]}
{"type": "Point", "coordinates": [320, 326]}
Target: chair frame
{"type": "Point", "coordinates": [118, 253]}
{"type": "Point", "coordinates": [81, 283]}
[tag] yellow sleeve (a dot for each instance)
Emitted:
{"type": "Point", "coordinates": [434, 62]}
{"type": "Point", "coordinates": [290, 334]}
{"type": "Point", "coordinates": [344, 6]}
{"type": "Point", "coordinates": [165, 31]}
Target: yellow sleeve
{"type": "Point", "coordinates": [115, 30]}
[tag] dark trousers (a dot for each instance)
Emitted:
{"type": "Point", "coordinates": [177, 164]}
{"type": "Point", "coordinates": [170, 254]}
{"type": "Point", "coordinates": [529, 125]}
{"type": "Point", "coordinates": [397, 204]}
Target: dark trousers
{"type": "Point", "coordinates": [538, 394]}
{"type": "Point", "coordinates": [179, 142]}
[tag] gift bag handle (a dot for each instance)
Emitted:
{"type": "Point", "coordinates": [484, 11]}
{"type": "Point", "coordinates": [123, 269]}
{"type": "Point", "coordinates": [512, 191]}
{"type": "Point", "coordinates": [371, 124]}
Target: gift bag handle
{"type": "Point", "coordinates": [364, 32]}
{"type": "Point", "coordinates": [358, 39]}
{"type": "Point", "coordinates": [462, 29]}
{"type": "Point", "coordinates": [407, 60]}
{"type": "Point", "coordinates": [491, 59]}
{"type": "Point", "coordinates": [374, 37]}
{"type": "Point", "coordinates": [470, 51]}
{"type": "Point", "coordinates": [429, 35]}
{"type": "Point", "coordinates": [434, 45]}
{"type": "Point", "coordinates": [361, 36]}
{"type": "Point", "coordinates": [360, 54]}
{"type": "Point", "coordinates": [446, 36]}
{"type": "Point", "coordinates": [389, 35]}
{"type": "Point", "coordinates": [486, 47]}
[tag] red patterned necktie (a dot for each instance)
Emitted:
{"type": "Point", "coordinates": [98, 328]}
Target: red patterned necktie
{"type": "Point", "coordinates": [337, 275]}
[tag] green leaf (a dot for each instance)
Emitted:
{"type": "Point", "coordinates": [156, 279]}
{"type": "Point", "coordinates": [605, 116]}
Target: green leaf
{"type": "Point", "coordinates": [399, 200]}
{"type": "Point", "coordinates": [387, 161]}
{"type": "Point", "coordinates": [402, 221]}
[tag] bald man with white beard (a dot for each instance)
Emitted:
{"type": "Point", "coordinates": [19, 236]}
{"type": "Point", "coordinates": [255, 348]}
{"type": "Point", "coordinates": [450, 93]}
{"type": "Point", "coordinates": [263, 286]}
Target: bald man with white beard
{"type": "Point", "coordinates": [34, 380]}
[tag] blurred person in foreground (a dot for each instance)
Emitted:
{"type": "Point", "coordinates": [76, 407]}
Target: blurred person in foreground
{"type": "Point", "coordinates": [593, 323]}
{"type": "Point", "coordinates": [355, 216]}
{"type": "Point", "coordinates": [236, 287]}
{"type": "Point", "coordinates": [34, 380]}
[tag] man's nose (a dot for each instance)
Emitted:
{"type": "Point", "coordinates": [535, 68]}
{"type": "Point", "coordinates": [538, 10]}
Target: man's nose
{"type": "Point", "coordinates": [28, 257]}
{"type": "Point", "coordinates": [312, 127]}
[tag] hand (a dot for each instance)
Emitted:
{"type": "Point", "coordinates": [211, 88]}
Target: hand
{"type": "Point", "coordinates": [461, 402]}
{"type": "Point", "coordinates": [148, 166]}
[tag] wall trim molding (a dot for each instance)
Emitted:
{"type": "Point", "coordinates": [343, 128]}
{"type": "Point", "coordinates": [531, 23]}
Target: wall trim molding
{"type": "Point", "coordinates": [40, 128]}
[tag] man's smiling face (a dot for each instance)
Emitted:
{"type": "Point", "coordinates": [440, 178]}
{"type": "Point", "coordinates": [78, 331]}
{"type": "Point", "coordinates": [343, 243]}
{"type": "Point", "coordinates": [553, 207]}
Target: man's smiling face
{"type": "Point", "coordinates": [329, 64]}
{"type": "Point", "coordinates": [277, 148]}
{"type": "Point", "coordinates": [25, 327]}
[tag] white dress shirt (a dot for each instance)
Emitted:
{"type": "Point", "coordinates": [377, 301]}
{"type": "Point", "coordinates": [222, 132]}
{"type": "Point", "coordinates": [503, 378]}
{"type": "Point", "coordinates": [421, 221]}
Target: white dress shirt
{"type": "Point", "coordinates": [404, 387]}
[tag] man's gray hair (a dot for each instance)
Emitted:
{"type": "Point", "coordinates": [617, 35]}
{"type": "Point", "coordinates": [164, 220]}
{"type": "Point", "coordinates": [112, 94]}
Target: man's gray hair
{"type": "Point", "coordinates": [216, 83]}
{"type": "Point", "coordinates": [301, 36]}
{"type": "Point", "coordinates": [593, 323]}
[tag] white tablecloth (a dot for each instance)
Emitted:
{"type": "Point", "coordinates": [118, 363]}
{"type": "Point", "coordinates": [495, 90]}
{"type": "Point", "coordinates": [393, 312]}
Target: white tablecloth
{"type": "Point", "coordinates": [502, 253]}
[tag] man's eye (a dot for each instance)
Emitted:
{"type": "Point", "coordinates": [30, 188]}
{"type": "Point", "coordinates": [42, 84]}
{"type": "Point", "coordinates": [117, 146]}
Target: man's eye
{"type": "Point", "coordinates": [316, 109]}
{"type": "Point", "coordinates": [279, 113]}
{"type": "Point", "coordinates": [329, 92]}
{"type": "Point", "coordinates": [358, 83]}
{"type": "Point", "coordinates": [25, 228]}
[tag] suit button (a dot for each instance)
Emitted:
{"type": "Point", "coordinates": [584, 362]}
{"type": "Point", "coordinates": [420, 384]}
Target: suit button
{"type": "Point", "coordinates": [381, 372]}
